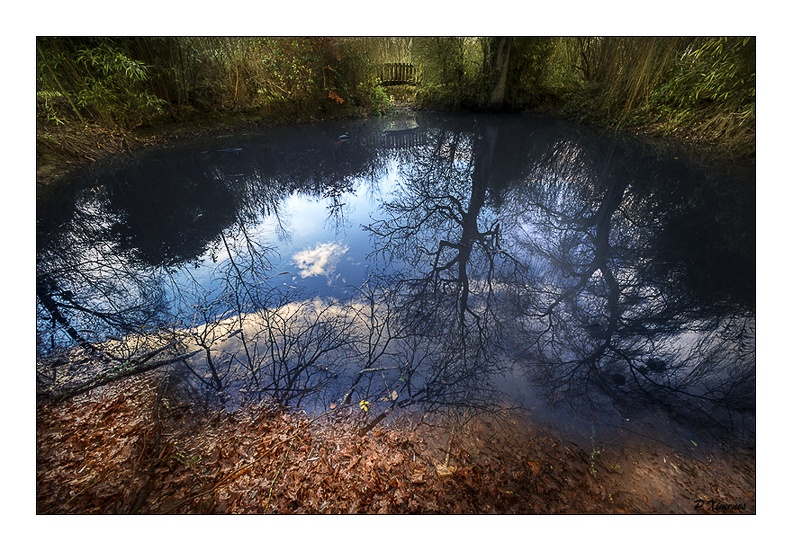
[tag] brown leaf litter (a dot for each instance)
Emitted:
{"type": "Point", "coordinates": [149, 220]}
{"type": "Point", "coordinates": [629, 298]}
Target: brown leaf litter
{"type": "Point", "coordinates": [131, 447]}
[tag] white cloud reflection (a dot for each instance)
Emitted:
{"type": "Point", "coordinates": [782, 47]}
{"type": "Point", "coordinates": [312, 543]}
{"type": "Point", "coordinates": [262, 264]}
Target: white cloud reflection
{"type": "Point", "coordinates": [321, 260]}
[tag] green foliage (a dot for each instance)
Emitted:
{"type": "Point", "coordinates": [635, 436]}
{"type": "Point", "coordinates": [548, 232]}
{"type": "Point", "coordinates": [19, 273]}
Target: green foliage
{"type": "Point", "coordinates": [127, 81]}
{"type": "Point", "coordinates": [441, 62]}
{"type": "Point", "coordinates": [712, 91]}
{"type": "Point", "coordinates": [697, 88]}
{"type": "Point", "coordinates": [113, 86]}
{"type": "Point", "coordinates": [563, 76]}
{"type": "Point", "coordinates": [94, 79]}
{"type": "Point", "coordinates": [51, 104]}
{"type": "Point", "coordinates": [701, 88]}
{"type": "Point", "coordinates": [382, 102]}
{"type": "Point", "coordinates": [529, 71]}
{"type": "Point", "coordinates": [712, 70]}
{"type": "Point", "coordinates": [620, 74]}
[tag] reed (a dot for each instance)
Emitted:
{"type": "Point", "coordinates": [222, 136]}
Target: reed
{"type": "Point", "coordinates": [702, 89]}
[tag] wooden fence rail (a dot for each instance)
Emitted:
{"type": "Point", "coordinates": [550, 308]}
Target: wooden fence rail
{"type": "Point", "coordinates": [397, 73]}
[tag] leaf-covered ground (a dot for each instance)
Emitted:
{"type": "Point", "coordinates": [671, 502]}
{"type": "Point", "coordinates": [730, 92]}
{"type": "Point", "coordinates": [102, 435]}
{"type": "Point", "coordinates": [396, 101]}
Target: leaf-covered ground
{"type": "Point", "coordinates": [132, 447]}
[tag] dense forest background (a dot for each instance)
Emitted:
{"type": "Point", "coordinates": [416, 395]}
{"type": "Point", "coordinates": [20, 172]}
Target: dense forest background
{"type": "Point", "coordinates": [102, 92]}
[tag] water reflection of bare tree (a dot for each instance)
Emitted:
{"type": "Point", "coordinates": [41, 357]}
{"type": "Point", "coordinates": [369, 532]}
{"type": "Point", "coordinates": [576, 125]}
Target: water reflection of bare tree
{"type": "Point", "coordinates": [111, 266]}
{"type": "Point", "coordinates": [427, 339]}
{"type": "Point", "coordinates": [448, 266]}
{"type": "Point", "coordinates": [88, 291]}
{"type": "Point", "coordinates": [494, 250]}
{"type": "Point", "coordinates": [608, 325]}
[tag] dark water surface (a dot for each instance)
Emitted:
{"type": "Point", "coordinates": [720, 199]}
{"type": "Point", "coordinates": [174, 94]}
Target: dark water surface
{"type": "Point", "coordinates": [422, 262]}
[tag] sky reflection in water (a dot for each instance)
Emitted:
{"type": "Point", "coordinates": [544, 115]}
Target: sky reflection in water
{"type": "Point", "coordinates": [604, 271]}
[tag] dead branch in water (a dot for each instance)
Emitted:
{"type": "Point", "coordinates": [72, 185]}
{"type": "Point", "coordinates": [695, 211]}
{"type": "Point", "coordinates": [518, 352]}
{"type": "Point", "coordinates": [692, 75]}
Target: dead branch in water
{"type": "Point", "coordinates": [139, 366]}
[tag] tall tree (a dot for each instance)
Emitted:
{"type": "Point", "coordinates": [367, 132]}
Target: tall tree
{"type": "Point", "coordinates": [502, 47]}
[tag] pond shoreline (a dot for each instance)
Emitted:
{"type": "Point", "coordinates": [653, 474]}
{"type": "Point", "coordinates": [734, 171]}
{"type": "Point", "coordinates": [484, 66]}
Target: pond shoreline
{"type": "Point", "coordinates": [94, 143]}
{"type": "Point", "coordinates": [154, 454]}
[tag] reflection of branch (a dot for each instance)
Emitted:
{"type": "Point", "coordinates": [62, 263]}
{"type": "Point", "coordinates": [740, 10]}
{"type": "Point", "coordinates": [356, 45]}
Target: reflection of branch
{"type": "Point", "coordinates": [139, 366]}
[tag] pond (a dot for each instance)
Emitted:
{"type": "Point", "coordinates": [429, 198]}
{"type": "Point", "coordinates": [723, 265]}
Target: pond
{"type": "Point", "coordinates": [417, 262]}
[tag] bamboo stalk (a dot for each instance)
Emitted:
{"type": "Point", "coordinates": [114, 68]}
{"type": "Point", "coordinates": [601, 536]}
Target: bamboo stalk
{"type": "Point", "coordinates": [59, 85]}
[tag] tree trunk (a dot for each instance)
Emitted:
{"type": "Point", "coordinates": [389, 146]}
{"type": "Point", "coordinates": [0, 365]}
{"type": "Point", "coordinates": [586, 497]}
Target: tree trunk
{"type": "Point", "coordinates": [498, 94]}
